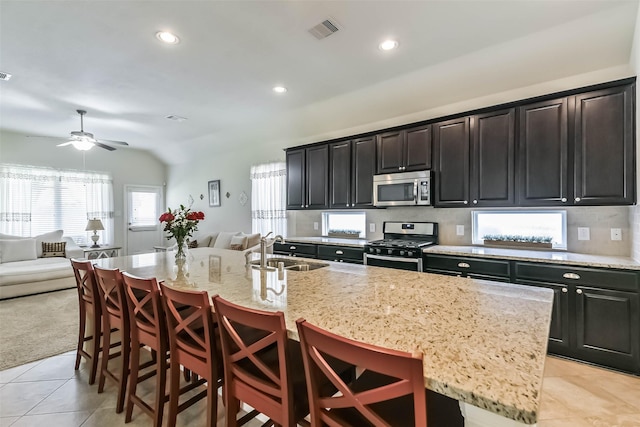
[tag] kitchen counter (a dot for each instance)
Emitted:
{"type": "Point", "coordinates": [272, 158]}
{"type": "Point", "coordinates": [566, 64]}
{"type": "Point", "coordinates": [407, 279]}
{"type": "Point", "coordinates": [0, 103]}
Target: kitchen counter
{"type": "Point", "coordinates": [484, 343]}
{"type": "Point", "coordinates": [567, 258]}
{"type": "Point", "coordinates": [358, 243]}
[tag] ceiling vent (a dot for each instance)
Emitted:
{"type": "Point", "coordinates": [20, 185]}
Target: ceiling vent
{"type": "Point", "coordinates": [324, 29]}
{"type": "Point", "coordinates": [4, 76]}
{"type": "Point", "coordinates": [176, 118]}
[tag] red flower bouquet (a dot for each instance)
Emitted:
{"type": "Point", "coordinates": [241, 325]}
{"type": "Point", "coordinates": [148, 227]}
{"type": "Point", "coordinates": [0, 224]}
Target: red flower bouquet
{"type": "Point", "coordinates": [180, 224]}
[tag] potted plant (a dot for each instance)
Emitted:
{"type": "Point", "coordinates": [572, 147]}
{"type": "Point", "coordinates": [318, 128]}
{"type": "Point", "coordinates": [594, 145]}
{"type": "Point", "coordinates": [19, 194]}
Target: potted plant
{"type": "Point", "coordinates": [518, 241]}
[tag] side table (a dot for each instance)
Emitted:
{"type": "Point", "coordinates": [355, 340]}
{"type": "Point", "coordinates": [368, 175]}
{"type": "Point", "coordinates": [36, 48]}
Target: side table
{"type": "Point", "coordinates": [104, 251]}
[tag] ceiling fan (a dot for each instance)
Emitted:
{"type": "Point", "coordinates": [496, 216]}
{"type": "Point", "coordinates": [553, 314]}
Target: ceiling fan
{"type": "Point", "coordinates": [84, 141]}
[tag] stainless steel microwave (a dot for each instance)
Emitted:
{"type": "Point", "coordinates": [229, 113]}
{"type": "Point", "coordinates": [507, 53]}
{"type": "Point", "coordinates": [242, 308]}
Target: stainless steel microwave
{"type": "Point", "coordinates": [402, 189]}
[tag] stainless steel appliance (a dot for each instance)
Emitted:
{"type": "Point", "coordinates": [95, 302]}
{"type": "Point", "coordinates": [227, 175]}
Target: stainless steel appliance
{"type": "Point", "coordinates": [402, 189]}
{"type": "Point", "coordinates": [402, 245]}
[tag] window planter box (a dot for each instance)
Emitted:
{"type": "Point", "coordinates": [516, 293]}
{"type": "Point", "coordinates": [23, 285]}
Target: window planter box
{"type": "Point", "coordinates": [517, 244]}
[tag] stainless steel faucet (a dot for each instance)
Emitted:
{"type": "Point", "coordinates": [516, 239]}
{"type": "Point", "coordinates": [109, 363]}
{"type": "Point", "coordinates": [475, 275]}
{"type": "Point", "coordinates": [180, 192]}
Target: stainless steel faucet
{"type": "Point", "coordinates": [264, 245]}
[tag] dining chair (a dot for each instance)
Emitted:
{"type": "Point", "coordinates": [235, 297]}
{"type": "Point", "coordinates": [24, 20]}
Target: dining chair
{"type": "Point", "coordinates": [389, 392]}
{"type": "Point", "coordinates": [193, 344]}
{"type": "Point", "coordinates": [115, 315]}
{"type": "Point", "coordinates": [262, 367]}
{"type": "Point", "coordinates": [89, 309]}
{"type": "Point", "coordinates": [149, 329]}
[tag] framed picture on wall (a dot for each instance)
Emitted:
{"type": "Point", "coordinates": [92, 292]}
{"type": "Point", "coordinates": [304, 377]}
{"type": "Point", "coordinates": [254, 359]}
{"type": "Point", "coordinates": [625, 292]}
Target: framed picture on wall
{"type": "Point", "coordinates": [214, 193]}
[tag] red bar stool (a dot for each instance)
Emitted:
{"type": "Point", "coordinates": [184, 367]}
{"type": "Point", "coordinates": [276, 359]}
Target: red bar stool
{"type": "Point", "coordinates": [115, 315]}
{"type": "Point", "coordinates": [390, 391]}
{"type": "Point", "coordinates": [261, 366]}
{"type": "Point", "coordinates": [193, 345]}
{"type": "Point", "coordinates": [89, 305]}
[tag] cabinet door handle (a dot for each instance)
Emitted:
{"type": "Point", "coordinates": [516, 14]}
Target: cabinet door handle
{"type": "Point", "coordinates": [302, 206]}
{"type": "Point", "coordinates": [475, 202]}
{"type": "Point", "coordinates": [292, 248]}
{"type": "Point", "coordinates": [339, 252]}
{"type": "Point", "coordinates": [577, 199]}
{"type": "Point", "coordinates": [579, 292]}
{"type": "Point", "coordinates": [565, 290]}
{"type": "Point", "coordinates": [466, 202]}
{"type": "Point", "coordinates": [563, 200]}
{"type": "Point", "coordinates": [463, 265]}
{"type": "Point", "coordinates": [573, 276]}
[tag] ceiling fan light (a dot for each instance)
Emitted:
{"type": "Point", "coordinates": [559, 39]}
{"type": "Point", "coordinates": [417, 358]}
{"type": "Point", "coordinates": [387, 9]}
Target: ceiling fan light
{"type": "Point", "coordinates": [167, 37]}
{"type": "Point", "coordinates": [83, 145]}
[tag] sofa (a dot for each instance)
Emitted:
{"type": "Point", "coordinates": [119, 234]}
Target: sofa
{"type": "Point", "coordinates": [29, 267]}
{"type": "Point", "coordinates": [233, 240]}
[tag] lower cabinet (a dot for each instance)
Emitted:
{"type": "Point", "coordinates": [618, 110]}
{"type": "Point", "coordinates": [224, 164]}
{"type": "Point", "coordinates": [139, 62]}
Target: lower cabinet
{"type": "Point", "coordinates": [341, 254]}
{"type": "Point", "coordinates": [306, 250]}
{"type": "Point", "coordinates": [596, 312]}
{"type": "Point", "coordinates": [479, 268]}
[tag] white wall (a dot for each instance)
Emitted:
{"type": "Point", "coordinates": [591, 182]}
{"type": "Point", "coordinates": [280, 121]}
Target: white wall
{"type": "Point", "coordinates": [126, 165]}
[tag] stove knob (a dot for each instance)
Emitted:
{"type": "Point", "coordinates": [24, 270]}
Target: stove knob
{"type": "Point", "coordinates": [371, 250]}
{"type": "Point", "coordinates": [401, 253]}
{"type": "Point", "coordinates": [390, 251]}
{"type": "Point", "coordinates": [378, 251]}
{"type": "Point", "coordinates": [409, 253]}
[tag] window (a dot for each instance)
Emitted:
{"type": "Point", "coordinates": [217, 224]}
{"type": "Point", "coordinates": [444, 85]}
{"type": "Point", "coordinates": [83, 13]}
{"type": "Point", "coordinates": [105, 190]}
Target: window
{"type": "Point", "coordinates": [143, 207]}
{"type": "Point", "coordinates": [529, 223]}
{"type": "Point", "coordinates": [36, 200]}
{"type": "Point", "coordinates": [344, 222]}
{"type": "Point", "coordinates": [269, 198]}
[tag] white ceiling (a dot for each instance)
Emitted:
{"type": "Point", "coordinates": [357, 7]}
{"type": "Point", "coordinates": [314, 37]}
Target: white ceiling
{"type": "Point", "coordinates": [102, 56]}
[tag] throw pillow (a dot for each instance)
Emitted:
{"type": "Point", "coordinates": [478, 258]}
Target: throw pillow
{"type": "Point", "coordinates": [253, 240]}
{"type": "Point", "coordinates": [193, 244]}
{"type": "Point", "coordinates": [17, 250]}
{"type": "Point", "coordinates": [224, 239]}
{"type": "Point", "coordinates": [52, 236]}
{"type": "Point", "coordinates": [238, 243]}
{"type": "Point", "coordinates": [53, 249]}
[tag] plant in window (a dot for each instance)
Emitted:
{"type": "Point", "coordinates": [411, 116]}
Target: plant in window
{"type": "Point", "coordinates": [518, 240]}
{"type": "Point", "coordinates": [180, 225]}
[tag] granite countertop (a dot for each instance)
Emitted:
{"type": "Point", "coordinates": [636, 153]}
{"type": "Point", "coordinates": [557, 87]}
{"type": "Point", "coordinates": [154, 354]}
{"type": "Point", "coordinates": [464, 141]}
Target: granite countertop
{"type": "Point", "coordinates": [359, 243]}
{"type": "Point", "coordinates": [483, 342]}
{"type": "Point", "coordinates": [567, 258]}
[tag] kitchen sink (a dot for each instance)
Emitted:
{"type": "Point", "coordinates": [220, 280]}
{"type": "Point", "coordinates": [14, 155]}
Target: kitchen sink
{"type": "Point", "coordinates": [291, 264]}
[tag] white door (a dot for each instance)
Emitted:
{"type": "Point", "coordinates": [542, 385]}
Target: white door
{"type": "Point", "coordinates": [143, 207]}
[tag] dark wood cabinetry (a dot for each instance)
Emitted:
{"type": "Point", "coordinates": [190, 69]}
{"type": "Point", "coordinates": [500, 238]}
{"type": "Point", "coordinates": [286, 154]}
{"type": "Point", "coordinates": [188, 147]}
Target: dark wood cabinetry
{"type": "Point", "coordinates": [596, 314]}
{"type": "Point", "coordinates": [492, 180]}
{"type": "Point", "coordinates": [308, 178]}
{"type": "Point", "coordinates": [543, 144]}
{"type": "Point", "coordinates": [352, 166]}
{"type": "Point", "coordinates": [478, 268]}
{"type": "Point", "coordinates": [341, 253]}
{"type": "Point", "coordinates": [404, 150]}
{"type": "Point", "coordinates": [451, 155]}
{"type": "Point", "coordinates": [603, 165]}
{"type": "Point", "coordinates": [305, 250]}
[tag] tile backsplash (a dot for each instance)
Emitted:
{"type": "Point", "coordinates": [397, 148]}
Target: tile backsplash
{"type": "Point", "coordinates": [599, 219]}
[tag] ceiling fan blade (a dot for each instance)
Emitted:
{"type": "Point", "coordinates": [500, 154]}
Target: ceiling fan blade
{"type": "Point", "coordinates": [106, 147]}
{"type": "Point", "coordinates": [64, 144]}
{"type": "Point", "coordinates": [112, 141]}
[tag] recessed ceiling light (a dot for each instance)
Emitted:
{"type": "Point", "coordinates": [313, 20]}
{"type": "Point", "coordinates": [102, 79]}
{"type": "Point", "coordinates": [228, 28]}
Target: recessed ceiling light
{"type": "Point", "coordinates": [167, 37]}
{"type": "Point", "coordinates": [388, 45]}
{"type": "Point", "coordinates": [279, 89]}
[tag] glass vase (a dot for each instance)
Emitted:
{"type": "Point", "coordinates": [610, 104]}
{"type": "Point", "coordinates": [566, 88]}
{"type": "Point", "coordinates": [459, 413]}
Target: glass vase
{"type": "Point", "coordinates": [181, 250]}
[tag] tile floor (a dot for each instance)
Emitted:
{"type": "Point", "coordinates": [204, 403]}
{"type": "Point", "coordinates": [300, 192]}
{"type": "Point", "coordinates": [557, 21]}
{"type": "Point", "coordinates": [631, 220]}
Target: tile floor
{"type": "Point", "coordinates": [49, 392]}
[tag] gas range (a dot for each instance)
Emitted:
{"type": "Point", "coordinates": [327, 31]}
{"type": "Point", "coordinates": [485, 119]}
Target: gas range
{"type": "Point", "coordinates": [402, 245]}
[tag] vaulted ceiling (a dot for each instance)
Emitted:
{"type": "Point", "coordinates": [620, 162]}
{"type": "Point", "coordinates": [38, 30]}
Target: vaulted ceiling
{"type": "Point", "coordinates": [102, 56]}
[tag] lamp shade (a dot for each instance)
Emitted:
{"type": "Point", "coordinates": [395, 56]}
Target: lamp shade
{"type": "Point", "coordinates": [94, 224]}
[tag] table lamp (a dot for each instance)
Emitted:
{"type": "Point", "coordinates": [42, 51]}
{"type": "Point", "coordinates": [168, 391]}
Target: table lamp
{"type": "Point", "coordinates": [94, 225]}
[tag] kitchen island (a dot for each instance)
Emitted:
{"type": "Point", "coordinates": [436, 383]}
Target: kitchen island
{"type": "Point", "coordinates": [484, 343]}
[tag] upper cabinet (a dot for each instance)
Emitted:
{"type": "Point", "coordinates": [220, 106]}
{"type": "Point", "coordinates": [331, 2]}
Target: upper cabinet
{"type": "Point", "coordinates": [543, 144]}
{"type": "Point", "coordinates": [603, 164]}
{"type": "Point", "coordinates": [307, 178]}
{"type": "Point", "coordinates": [352, 166]}
{"type": "Point", "coordinates": [451, 142]}
{"type": "Point", "coordinates": [404, 150]}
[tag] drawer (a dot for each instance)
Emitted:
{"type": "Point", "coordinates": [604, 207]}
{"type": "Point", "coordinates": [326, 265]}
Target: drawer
{"type": "Point", "coordinates": [468, 265]}
{"type": "Point", "coordinates": [295, 248]}
{"type": "Point", "coordinates": [566, 274]}
{"type": "Point", "coordinates": [332, 252]}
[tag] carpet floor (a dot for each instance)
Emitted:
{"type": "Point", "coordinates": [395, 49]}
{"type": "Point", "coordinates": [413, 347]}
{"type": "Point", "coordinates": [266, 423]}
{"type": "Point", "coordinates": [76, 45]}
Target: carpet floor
{"type": "Point", "coordinates": [37, 326]}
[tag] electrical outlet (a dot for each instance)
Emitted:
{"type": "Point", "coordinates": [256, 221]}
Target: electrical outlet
{"type": "Point", "coordinates": [583, 233]}
{"type": "Point", "coordinates": [372, 227]}
{"type": "Point", "coordinates": [315, 225]}
{"type": "Point", "coordinates": [616, 234]}
{"type": "Point", "coordinates": [460, 230]}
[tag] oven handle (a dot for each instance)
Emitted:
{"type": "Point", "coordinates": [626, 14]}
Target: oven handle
{"type": "Point", "coordinates": [392, 258]}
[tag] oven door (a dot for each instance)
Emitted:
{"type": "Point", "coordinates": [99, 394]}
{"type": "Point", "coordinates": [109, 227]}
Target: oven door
{"type": "Point", "coordinates": [411, 264]}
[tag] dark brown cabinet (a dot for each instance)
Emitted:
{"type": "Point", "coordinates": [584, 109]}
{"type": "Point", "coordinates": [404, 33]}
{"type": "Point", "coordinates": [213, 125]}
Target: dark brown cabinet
{"type": "Point", "coordinates": [451, 158]}
{"type": "Point", "coordinates": [492, 180]}
{"type": "Point", "coordinates": [404, 150]}
{"type": "Point", "coordinates": [305, 250]}
{"type": "Point", "coordinates": [308, 178]}
{"type": "Point", "coordinates": [603, 165]}
{"type": "Point", "coordinates": [341, 253]}
{"type": "Point", "coordinates": [478, 268]}
{"type": "Point", "coordinates": [543, 145]}
{"type": "Point", "coordinates": [352, 166]}
{"type": "Point", "coordinates": [596, 313]}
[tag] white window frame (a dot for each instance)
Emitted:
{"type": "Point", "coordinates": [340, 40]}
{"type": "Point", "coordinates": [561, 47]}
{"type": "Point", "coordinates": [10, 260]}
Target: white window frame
{"type": "Point", "coordinates": [477, 240]}
{"type": "Point", "coordinates": [325, 221]}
